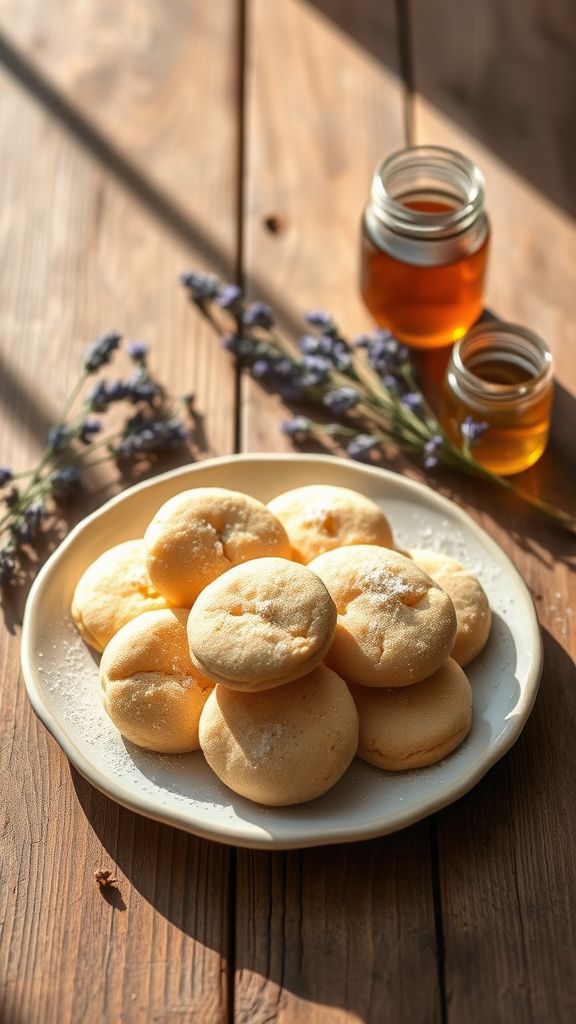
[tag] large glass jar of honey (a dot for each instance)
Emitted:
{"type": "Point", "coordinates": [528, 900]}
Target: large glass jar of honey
{"type": "Point", "coordinates": [498, 394]}
{"type": "Point", "coordinates": [425, 238]}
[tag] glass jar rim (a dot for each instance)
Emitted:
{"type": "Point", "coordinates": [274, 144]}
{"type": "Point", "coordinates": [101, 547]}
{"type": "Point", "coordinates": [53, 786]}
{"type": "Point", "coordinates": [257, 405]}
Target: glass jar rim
{"type": "Point", "coordinates": [452, 169]}
{"type": "Point", "coordinates": [502, 336]}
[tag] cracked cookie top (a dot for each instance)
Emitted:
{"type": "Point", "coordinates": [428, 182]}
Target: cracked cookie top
{"type": "Point", "coordinates": [113, 590]}
{"type": "Point", "coordinates": [199, 534]}
{"type": "Point", "coordinates": [395, 624]}
{"type": "Point", "coordinates": [261, 624]}
{"type": "Point", "coordinates": [321, 517]}
{"type": "Point", "coordinates": [473, 613]}
{"type": "Point", "coordinates": [149, 686]}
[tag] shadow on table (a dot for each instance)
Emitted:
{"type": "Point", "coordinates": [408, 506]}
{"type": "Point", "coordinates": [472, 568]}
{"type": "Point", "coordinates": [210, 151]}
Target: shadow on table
{"type": "Point", "coordinates": [505, 78]}
{"type": "Point", "coordinates": [306, 921]}
{"type": "Point", "coordinates": [336, 926]}
{"type": "Point", "coordinates": [13, 597]}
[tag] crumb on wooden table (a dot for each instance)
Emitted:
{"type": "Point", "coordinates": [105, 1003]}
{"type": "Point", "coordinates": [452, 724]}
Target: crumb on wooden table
{"type": "Point", "coordinates": [104, 878]}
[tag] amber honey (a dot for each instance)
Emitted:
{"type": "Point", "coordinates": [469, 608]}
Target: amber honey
{"type": "Point", "coordinates": [500, 375]}
{"type": "Point", "coordinates": [424, 247]}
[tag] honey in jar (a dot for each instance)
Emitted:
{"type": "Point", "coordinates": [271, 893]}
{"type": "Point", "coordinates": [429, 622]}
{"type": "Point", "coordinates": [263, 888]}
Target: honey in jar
{"type": "Point", "coordinates": [424, 246]}
{"type": "Point", "coordinates": [500, 375]}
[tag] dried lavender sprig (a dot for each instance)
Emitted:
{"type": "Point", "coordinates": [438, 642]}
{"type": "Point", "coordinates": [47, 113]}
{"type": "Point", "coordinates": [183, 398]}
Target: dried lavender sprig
{"type": "Point", "coordinates": [57, 475]}
{"type": "Point", "coordinates": [390, 395]}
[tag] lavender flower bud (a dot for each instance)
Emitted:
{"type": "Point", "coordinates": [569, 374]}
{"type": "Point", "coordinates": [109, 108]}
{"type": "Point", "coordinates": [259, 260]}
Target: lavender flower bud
{"type": "Point", "coordinates": [320, 319]}
{"type": "Point", "coordinates": [238, 345]}
{"type": "Point", "coordinates": [87, 430]}
{"type": "Point", "coordinates": [258, 314]}
{"type": "Point", "coordinates": [138, 351]}
{"type": "Point", "coordinates": [298, 428]}
{"type": "Point", "coordinates": [65, 482]}
{"type": "Point", "coordinates": [260, 368]}
{"type": "Point", "coordinates": [23, 532]}
{"type": "Point", "coordinates": [201, 287]}
{"type": "Point", "coordinates": [98, 398]}
{"type": "Point", "coordinates": [140, 388]}
{"type": "Point", "coordinates": [361, 445]}
{"type": "Point", "coordinates": [34, 514]}
{"type": "Point", "coordinates": [431, 449]}
{"type": "Point", "coordinates": [412, 400]}
{"type": "Point", "coordinates": [7, 568]}
{"type": "Point", "coordinates": [6, 475]}
{"type": "Point", "coordinates": [309, 344]}
{"type": "Point", "coordinates": [230, 297]}
{"type": "Point", "coordinates": [317, 367]}
{"type": "Point", "coordinates": [285, 369]}
{"type": "Point", "coordinates": [472, 430]}
{"type": "Point", "coordinates": [101, 351]}
{"type": "Point", "coordinates": [341, 400]}
{"type": "Point", "coordinates": [58, 437]}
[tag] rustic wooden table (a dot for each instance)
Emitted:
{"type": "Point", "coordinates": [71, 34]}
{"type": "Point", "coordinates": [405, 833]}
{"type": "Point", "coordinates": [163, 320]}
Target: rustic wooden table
{"type": "Point", "coordinates": [139, 139]}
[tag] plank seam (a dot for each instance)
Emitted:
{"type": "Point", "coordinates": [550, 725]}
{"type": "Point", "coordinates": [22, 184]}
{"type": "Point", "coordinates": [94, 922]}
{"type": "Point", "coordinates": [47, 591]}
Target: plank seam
{"type": "Point", "coordinates": [405, 49]}
{"type": "Point", "coordinates": [129, 174]}
{"type": "Point", "coordinates": [438, 919]}
{"type": "Point", "coordinates": [241, 92]}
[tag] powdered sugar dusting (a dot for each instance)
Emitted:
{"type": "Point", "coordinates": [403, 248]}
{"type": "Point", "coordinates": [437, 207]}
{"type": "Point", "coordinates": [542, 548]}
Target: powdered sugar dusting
{"type": "Point", "coordinates": [69, 672]}
{"type": "Point", "coordinates": [63, 677]}
{"type": "Point", "coordinates": [261, 740]}
{"type": "Point", "coordinates": [384, 583]}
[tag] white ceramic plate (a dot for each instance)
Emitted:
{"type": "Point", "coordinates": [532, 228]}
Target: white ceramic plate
{"type": "Point", "coordinates": [61, 673]}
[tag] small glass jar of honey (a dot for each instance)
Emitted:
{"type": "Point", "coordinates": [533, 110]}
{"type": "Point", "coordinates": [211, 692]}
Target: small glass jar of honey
{"type": "Point", "coordinates": [425, 239]}
{"type": "Point", "coordinates": [499, 379]}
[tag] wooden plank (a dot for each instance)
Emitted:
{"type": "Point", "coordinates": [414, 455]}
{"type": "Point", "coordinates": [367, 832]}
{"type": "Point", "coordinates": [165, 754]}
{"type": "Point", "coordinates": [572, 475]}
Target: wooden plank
{"type": "Point", "coordinates": [507, 856]}
{"type": "Point", "coordinates": [150, 81]}
{"type": "Point", "coordinates": [81, 253]}
{"type": "Point", "coordinates": [334, 935]}
{"type": "Point", "coordinates": [337, 934]}
{"type": "Point", "coordinates": [321, 113]}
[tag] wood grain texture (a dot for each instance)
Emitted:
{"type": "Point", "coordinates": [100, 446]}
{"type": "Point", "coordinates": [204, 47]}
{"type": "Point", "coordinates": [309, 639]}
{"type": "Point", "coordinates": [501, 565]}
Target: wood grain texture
{"type": "Point", "coordinates": [322, 935]}
{"type": "Point", "coordinates": [82, 251]}
{"type": "Point", "coordinates": [325, 935]}
{"type": "Point", "coordinates": [504, 72]}
{"type": "Point", "coordinates": [152, 81]}
{"type": "Point", "coordinates": [320, 114]}
{"type": "Point", "coordinates": [507, 854]}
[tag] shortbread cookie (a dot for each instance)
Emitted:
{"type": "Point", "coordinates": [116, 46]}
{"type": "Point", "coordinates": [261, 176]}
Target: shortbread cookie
{"type": "Point", "coordinates": [113, 590]}
{"type": "Point", "coordinates": [281, 746]}
{"type": "Point", "coordinates": [150, 688]}
{"type": "Point", "coordinates": [320, 517]}
{"type": "Point", "coordinates": [199, 534]}
{"type": "Point", "coordinates": [473, 613]}
{"type": "Point", "coordinates": [395, 625]}
{"type": "Point", "coordinates": [416, 725]}
{"type": "Point", "coordinates": [261, 624]}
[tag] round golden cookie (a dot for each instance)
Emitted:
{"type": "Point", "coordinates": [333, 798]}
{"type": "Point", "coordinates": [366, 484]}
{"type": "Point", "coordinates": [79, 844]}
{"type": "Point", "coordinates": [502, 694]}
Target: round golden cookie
{"type": "Point", "coordinates": [150, 688]}
{"type": "Point", "coordinates": [113, 590]}
{"type": "Point", "coordinates": [321, 517]}
{"type": "Point", "coordinates": [416, 725]}
{"type": "Point", "coordinates": [473, 614]}
{"type": "Point", "coordinates": [197, 535]}
{"type": "Point", "coordinates": [395, 625]}
{"type": "Point", "coordinates": [261, 624]}
{"type": "Point", "coordinates": [281, 746]}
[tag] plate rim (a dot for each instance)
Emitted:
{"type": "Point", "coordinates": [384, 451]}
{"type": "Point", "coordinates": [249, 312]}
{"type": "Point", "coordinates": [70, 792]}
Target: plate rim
{"type": "Point", "coordinates": [229, 834]}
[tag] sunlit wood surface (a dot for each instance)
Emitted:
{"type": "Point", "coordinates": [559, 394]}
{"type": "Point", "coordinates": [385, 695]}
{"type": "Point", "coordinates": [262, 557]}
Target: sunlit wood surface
{"type": "Point", "coordinates": [140, 139]}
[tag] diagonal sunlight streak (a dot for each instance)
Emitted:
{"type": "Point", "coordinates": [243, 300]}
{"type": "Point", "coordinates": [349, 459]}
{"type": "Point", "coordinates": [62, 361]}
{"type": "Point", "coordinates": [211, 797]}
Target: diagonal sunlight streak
{"type": "Point", "coordinates": [33, 412]}
{"type": "Point", "coordinates": [159, 203]}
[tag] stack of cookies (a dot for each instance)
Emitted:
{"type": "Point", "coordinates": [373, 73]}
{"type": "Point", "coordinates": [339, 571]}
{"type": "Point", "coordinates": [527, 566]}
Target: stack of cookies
{"type": "Point", "coordinates": [283, 639]}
